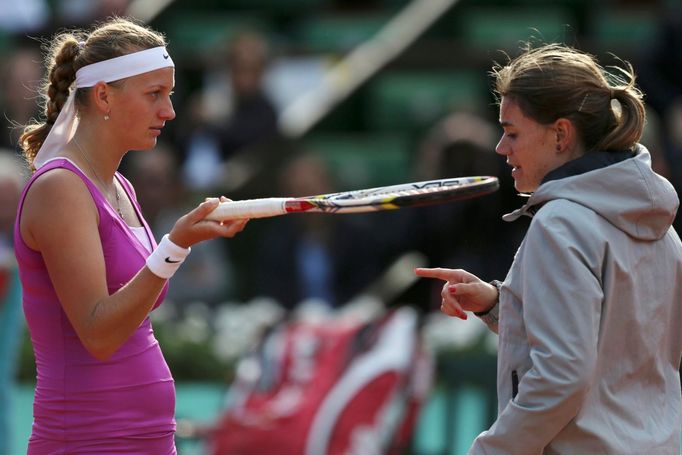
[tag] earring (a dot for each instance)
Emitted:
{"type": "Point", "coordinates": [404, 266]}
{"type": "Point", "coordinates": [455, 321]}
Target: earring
{"type": "Point", "coordinates": [106, 116]}
{"type": "Point", "coordinates": [558, 148]}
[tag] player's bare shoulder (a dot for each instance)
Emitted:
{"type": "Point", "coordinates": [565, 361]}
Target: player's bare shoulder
{"type": "Point", "coordinates": [56, 200]}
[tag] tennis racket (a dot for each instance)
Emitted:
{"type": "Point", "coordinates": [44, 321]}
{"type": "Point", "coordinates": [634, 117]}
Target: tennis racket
{"type": "Point", "coordinates": [368, 200]}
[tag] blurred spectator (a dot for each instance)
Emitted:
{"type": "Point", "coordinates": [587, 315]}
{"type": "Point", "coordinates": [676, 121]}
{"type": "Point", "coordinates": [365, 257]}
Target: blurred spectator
{"type": "Point", "coordinates": [465, 234]}
{"type": "Point", "coordinates": [12, 175]}
{"type": "Point", "coordinates": [659, 68]}
{"type": "Point", "coordinates": [206, 275]}
{"type": "Point", "coordinates": [201, 167]}
{"type": "Point", "coordinates": [21, 74]}
{"type": "Point", "coordinates": [297, 253]}
{"type": "Point", "coordinates": [654, 139]}
{"type": "Point", "coordinates": [22, 16]}
{"type": "Point", "coordinates": [253, 115]}
{"type": "Point", "coordinates": [434, 158]}
{"type": "Point", "coordinates": [81, 12]}
{"type": "Point", "coordinates": [232, 113]}
{"type": "Point", "coordinates": [316, 256]}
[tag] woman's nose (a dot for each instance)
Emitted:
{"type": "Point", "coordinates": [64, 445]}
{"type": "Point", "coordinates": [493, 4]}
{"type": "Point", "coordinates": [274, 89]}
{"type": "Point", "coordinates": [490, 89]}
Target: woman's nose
{"type": "Point", "coordinates": [501, 147]}
{"type": "Point", "coordinates": [168, 113]}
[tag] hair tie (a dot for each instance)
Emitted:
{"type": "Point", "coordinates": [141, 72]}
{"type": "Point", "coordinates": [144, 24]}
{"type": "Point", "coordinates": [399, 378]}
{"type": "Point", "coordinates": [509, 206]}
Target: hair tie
{"type": "Point", "coordinates": [81, 46]}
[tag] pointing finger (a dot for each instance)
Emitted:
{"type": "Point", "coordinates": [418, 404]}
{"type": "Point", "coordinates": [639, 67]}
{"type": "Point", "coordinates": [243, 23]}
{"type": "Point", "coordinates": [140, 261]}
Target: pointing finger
{"type": "Point", "coordinates": [438, 273]}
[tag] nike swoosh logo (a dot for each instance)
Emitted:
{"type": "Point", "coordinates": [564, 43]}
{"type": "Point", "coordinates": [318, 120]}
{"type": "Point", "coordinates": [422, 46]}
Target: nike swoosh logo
{"type": "Point", "coordinates": [165, 56]}
{"type": "Point", "coordinates": [170, 261]}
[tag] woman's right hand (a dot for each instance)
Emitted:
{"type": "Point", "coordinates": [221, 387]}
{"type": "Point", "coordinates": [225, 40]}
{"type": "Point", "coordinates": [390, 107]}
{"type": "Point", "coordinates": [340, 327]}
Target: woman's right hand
{"type": "Point", "coordinates": [462, 291]}
{"type": "Point", "coordinates": [193, 228]}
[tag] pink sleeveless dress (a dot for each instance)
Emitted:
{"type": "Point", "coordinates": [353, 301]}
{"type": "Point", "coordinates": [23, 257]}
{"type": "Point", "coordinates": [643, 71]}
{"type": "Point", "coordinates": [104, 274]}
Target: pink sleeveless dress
{"type": "Point", "coordinates": [82, 405]}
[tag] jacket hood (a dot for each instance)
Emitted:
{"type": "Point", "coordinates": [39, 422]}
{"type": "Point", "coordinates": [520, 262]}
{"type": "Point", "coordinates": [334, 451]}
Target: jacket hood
{"type": "Point", "coordinates": [628, 194]}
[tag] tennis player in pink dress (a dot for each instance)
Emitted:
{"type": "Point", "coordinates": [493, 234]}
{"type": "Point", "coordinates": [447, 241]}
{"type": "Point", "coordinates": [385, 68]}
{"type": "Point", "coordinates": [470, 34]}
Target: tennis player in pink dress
{"type": "Point", "coordinates": [90, 268]}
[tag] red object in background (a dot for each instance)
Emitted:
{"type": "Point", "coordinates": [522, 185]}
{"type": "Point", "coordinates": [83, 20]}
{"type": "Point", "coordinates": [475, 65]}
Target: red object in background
{"type": "Point", "coordinates": [328, 388]}
{"type": "Point", "coordinates": [4, 282]}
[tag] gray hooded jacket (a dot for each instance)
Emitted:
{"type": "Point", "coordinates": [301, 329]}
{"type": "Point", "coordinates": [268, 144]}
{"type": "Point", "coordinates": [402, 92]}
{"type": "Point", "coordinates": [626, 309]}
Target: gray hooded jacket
{"type": "Point", "coordinates": [590, 319]}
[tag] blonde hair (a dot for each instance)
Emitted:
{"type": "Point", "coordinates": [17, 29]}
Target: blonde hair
{"type": "Point", "coordinates": [556, 81]}
{"type": "Point", "coordinates": [71, 50]}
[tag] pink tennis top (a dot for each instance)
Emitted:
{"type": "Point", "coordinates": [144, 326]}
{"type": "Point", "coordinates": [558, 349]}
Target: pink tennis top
{"type": "Point", "coordinates": [124, 404]}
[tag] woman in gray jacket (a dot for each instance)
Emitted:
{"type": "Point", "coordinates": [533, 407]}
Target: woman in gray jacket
{"type": "Point", "coordinates": [589, 316]}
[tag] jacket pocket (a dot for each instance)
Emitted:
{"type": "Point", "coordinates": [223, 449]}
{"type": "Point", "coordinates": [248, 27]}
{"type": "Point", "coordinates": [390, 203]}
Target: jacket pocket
{"type": "Point", "coordinates": [515, 383]}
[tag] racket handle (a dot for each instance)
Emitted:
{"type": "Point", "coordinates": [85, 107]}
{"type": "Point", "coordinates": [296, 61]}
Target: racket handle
{"type": "Point", "coordinates": [248, 208]}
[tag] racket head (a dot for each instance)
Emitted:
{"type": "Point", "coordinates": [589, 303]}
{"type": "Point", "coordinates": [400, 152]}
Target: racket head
{"type": "Point", "coordinates": [448, 190]}
{"type": "Point", "coordinates": [391, 197]}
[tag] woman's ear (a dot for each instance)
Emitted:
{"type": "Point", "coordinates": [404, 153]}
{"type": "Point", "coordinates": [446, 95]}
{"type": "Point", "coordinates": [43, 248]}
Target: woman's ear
{"type": "Point", "coordinates": [101, 98]}
{"type": "Point", "coordinates": [565, 135]}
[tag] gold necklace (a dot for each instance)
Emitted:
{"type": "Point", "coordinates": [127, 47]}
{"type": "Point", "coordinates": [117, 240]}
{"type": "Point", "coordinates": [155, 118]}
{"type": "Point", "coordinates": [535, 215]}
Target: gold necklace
{"type": "Point", "coordinates": [85, 157]}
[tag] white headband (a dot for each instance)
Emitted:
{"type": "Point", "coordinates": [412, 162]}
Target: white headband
{"type": "Point", "coordinates": [106, 71]}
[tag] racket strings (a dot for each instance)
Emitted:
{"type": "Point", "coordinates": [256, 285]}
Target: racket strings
{"type": "Point", "coordinates": [443, 186]}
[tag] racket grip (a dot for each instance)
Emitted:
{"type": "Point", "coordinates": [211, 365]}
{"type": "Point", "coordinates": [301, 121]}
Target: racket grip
{"type": "Point", "coordinates": [248, 208]}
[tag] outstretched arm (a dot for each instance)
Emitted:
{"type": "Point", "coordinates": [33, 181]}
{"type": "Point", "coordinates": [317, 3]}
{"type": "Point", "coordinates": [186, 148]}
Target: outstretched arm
{"type": "Point", "coordinates": [60, 220]}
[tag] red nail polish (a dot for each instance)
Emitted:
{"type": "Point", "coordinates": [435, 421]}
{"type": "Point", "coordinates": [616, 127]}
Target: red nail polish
{"type": "Point", "coordinates": [452, 289]}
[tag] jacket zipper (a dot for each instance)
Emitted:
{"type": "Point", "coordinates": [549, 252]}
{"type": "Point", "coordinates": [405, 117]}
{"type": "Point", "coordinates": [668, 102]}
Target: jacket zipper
{"type": "Point", "coordinates": [515, 383]}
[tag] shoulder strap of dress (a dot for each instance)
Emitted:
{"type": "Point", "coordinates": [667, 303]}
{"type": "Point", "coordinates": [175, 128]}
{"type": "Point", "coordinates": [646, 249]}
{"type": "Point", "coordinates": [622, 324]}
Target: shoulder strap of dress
{"type": "Point", "coordinates": [59, 163]}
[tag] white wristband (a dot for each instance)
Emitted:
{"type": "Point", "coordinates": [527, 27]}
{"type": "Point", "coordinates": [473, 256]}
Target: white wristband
{"type": "Point", "coordinates": [166, 258]}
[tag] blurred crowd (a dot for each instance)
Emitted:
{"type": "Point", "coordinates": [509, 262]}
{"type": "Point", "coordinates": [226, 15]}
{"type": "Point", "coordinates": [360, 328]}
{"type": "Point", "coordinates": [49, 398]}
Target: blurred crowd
{"type": "Point", "coordinates": [227, 140]}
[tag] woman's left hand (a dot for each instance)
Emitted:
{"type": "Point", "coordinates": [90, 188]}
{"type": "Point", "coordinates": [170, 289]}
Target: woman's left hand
{"type": "Point", "coordinates": [193, 227]}
{"type": "Point", "coordinates": [462, 291]}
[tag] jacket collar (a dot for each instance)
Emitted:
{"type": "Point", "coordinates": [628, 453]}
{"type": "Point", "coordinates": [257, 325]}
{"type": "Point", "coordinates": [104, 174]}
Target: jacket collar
{"type": "Point", "coordinates": [588, 162]}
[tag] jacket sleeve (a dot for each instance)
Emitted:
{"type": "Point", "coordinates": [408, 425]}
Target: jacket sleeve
{"type": "Point", "coordinates": [561, 300]}
{"type": "Point", "coordinates": [491, 317]}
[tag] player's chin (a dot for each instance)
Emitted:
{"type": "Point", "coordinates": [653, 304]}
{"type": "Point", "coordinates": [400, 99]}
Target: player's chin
{"type": "Point", "coordinates": [522, 186]}
{"type": "Point", "coordinates": [148, 144]}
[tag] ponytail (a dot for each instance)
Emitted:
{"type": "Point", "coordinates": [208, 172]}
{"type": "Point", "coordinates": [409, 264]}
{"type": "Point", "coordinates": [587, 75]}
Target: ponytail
{"type": "Point", "coordinates": [629, 117]}
{"type": "Point", "coordinates": [61, 75]}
